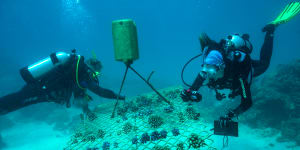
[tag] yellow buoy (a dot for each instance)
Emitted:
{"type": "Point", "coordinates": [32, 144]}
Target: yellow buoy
{"type": "Point", "coordinates": [125, 40]}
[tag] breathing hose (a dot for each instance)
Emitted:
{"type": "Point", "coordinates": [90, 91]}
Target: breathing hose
{"type": "Point", "coordinates": [185, 67]}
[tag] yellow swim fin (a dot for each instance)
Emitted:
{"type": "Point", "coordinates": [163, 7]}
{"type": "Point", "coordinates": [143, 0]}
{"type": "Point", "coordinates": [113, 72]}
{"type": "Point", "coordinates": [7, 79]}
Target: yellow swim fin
{"type": "Point", "coordinates": [290, 11]}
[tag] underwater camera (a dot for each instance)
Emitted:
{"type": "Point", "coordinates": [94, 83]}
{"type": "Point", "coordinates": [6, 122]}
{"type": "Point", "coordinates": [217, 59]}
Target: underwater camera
{"type": "Point", "coordinates": [226, 127]}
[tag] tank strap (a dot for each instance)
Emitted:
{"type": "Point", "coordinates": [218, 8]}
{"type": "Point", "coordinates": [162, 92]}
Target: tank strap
{"type": "Point", "coordinates": [243, 88]}
{"type": "Point", "coordinates": [54, 59]}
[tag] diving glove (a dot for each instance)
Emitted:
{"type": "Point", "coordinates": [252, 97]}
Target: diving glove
{"type": "Point", "coordinates": [189, 95]}
{"type": "Point", "coordinates": [230, 114]}
{"type": "Point", "coordinates": [121, 97]}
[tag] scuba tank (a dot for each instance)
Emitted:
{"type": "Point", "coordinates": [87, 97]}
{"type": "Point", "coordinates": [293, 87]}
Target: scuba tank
{"type": "Point", "coordinates": [42, 68]}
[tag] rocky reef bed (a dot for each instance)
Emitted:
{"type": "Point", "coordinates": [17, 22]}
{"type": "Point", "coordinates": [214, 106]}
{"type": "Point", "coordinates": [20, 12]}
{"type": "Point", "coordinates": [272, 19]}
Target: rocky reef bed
{"type": "Point", "coordinates": [277, 103]}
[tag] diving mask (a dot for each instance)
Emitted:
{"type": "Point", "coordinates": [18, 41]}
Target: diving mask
{"type": "Point", "coordinates": [213, 71]}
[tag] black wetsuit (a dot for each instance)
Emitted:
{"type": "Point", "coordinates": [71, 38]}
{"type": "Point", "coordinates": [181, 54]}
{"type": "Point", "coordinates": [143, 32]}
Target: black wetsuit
{"type": "Point", "coordinates": [58, 88]}
{"type": "Point", "coordinates": [236, 75]}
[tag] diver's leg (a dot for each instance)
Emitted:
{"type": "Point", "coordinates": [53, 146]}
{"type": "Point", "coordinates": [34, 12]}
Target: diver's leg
{"type": "Point", "coordinates": [25, 97]}
{"type": "Point", "coordinates": [261, 65]}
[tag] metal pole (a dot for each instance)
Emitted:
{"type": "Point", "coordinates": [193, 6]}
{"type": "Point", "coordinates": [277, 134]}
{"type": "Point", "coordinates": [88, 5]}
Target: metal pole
{"type": "Point", "coordinates": [163, 98]}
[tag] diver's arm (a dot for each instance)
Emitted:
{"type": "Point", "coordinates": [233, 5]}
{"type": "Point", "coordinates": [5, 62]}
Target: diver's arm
{"type": "Point", "coordinates": [106, 93]}
{"type": "Point", "coordinates": [198, 82]}
{"type": "Point", "coordinates": [246, 100]}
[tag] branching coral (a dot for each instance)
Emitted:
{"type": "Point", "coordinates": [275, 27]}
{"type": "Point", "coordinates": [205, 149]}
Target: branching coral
{"type": "Point", "coordinates": [181, 117]}
{"type": "Point", "coordinates": [180, 146]}
{"type": "Point", "coordinates": [154, 136]}
{"type": "Point", "coordinates": [162, 148]}
{"type": "Point", "coordinates": [155, 121]}
{"type": "Point", "coordinates": [127, 127]}
{"type": "Point", "coordinates": [145, 138]}
{"type": "Point", "coordinates": [175, 132]}
{"type": "Point", "coordinates": [135, 140]}
{"type": "Point", "coordinates": [101, 134]}
{"type": "Point", "coordinates": [163, 134]}
{"type": "Point", "coordinates": [106, 146]}
{"type": "Point", "coordinates": [196, 141]}
{"type": "Point", "coordinates": [192, 114]}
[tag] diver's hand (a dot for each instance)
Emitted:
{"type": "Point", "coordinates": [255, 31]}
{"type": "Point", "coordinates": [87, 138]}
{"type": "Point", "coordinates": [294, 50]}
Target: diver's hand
{"type": "Point", "coordinates": [121, 97]}
{"type": "Point", "coordinates": [269, 28]}
{"type": "Point", "coordinates": [230, 114]}
{"type": "Point", "coordinates": [189, 95]}
{"type": "Point", "coordinates": [220, 96]}
{"type": "Point", "coordinates": [185, 95]}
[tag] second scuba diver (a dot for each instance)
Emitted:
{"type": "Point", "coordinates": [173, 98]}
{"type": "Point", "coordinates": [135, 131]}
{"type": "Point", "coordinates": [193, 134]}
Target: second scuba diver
{"type": "Point", "coordinates": [55, 79]}
{"type": "Point", "coordinates": [228, 65]}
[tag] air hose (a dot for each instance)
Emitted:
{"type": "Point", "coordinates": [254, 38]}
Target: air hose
{"type": "Point", "coordinates": [77, 68]}
{"type": "Point", "coordinates": [182, 78]}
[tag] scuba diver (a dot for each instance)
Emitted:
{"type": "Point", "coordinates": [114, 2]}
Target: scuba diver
{"type": "Point", "coordinates": [55, 79]}
{"type": "Point", "coordinates": [228, 65]}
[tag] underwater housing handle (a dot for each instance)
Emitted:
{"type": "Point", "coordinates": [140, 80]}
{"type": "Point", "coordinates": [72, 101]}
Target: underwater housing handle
{"type": "Point", "coordinates": [225, 126]}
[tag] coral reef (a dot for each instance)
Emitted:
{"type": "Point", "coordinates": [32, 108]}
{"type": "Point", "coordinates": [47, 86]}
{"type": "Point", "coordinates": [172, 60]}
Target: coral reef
{"type": "Point", "coordinates": [143, 101]}
{"type": "Point", "coordinates": [94, 148]}
{"type": "Point", "coordinates": [161, 148]}
{"type": "Point", "coordinates": [145, 138]}
{"type": "Point", "coordinates": [106, 146]}
{"type": "Point", "coordinates": [172, 94]}
{"type": "Point", "coordinates": [175, 132]}
{"type": "Point", "coordinates": [180, 146]}
{"type": "Point", "coordinates": [191, 113]}
{"type": "Point", "coordinates": [135, 140]}
{"type": "Point", "coordinates": [74, 141]}
{"type": "Point", "coordinates": [277, 103]}
{"type": "Point", "coordinates": [134, 108]}
{"type": "Point", "coordinates": [163, 134]}
{"type": "Point", "coordinates": [152, 122]}
{"type": "Point", "coordinates": [100, 134]}
{"type": "Point", "coordinates": [181, 117]}
{"type": "Point", "coordinates": [196, 141]}
{"type": "Point", "coordinates": [121, 111]}
{"type": "Point", "coordinates": [78, 134]}
{"type": "Point", "coordinates": [91, 138]}
{"type": "Point", "coordinates": [169, 109]}
{"type": "Point", "coordinates": [155, 121]}
{"type": "Point", "coordinates": [145, 112]}
{"type": "Point", "coordinates": [127, 127]}
{"type": "Point", "coordinates": [116, 145]}
{"type": "Point", "coordinates": [290, 130]}
{"type": "Point", "coordinates": [124, 118]}
{"type": "Point", "coordinates": [154, 136]}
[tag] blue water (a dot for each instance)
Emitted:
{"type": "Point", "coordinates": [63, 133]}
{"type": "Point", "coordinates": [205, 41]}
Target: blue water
{"type": "Point", "coordinates": [168, 33]}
